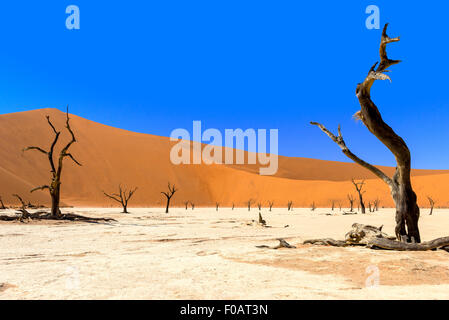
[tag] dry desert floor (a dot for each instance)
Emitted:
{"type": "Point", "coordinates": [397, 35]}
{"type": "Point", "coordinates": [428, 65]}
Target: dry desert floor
{"type": "Point", "coordinates": [204, 254]}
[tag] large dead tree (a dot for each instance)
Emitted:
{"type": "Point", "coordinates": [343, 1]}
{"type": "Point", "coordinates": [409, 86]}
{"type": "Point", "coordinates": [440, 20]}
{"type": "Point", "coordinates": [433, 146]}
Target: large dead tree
{"type": "Point", "coordinates": [358, 187]}
{"type": "Point", "coordinates": [407, 210]}
{"type": "Point", "coordinates": [56, 170]}
{"type": "Point", "coordinates": [122, 197]}
{"type": "Point", "coordinates": [169, 194]}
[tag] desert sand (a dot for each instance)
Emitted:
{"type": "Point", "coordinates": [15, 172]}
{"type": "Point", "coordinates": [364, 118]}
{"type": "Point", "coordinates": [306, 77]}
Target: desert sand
{"type": "Point", "coordinates": [111, 156]}
{"type": "Point", "coordinates": [204, 254]}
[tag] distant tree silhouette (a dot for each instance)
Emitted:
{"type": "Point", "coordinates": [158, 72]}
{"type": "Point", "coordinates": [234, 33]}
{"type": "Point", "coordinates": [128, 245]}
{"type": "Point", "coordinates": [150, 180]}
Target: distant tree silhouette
{"type": "Point", "coordinates": [169, 194]}
{"type": "Point", "coordinates": [122, 197]}
{"type": "Point", "coordinates": [432, 204]}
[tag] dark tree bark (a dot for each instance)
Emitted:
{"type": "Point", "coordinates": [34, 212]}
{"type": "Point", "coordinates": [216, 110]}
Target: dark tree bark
{"type": "Point", "coordinates": [432, 204]}
{"type": "Point", "coordinates": [407, 210]}
{"type": "Point", "coordinates": [289, 205]}
{"type": "Point", "coordinates": [122, 197]}
{"type": "Point", "coordinates": [270, 204]}
{"type": "Point", "coordinates": [358, 187]}
{"type": "Point", "coordinates": [2, 205]}
{"type": "Point", "coordinates": [249, 203]}
{"type": "Point", "coordinates": [351, 202]}
{"type": "Point", "coordinates": [169, 194]}
{"type": "Point", "coordinates": [55, 186]}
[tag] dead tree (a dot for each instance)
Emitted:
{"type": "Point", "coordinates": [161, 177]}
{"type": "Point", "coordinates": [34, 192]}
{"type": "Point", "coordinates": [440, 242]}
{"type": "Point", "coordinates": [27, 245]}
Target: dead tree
{"type": "Point", "coordinates": [313, 207]}
{"type": "Point", "coordinates": [2, 205]}
{"type": "Point", "coordinates": [339, 206]}
{"type": "Point", "coordinates": [122, 197]}
{"type": "Point", "coordinates": [55, 186]}
{"type": "Point", "coordinates": [193, 205]}
{"type": "Point", "coordinates": [233, 206]}
{"type": "Point", "coordinates": [289, 205]}
{"type": "Point", "coordinates": [333, 205]}
{"type": "Point", "coordinates": [270, 205]}
{"type": "Point", "coordinates": [249, 203]}
{"type": "Point", "coordinates": [358, 186]}
{"type": "Point", "coordinates": [169, 194]}
{"type": "Point", "coordinates": [186, 204]}
{"type": "Point", "coordinates": [259, 205]}
{"type": "Point", "coordinates": [351, 202]}
{"type": "Point", "coordinates": [432, 204]}
{"type": "Point", "coordinates": [407, 210]}
{"type": "Point", "coordinates": [23, 210]}
{"type": "Point", "coordinates": [376, 204]}
{"type": "Point", "coordinates": [370, 208]}
{"type": "Point", "coordinates": [217, 204]}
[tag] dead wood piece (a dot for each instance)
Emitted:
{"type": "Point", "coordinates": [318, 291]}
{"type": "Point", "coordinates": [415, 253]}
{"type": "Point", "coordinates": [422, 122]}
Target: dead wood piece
{"type": "Point", "coordinates": [373, 238]}
{"type": "Point", "coordinates": [282, 244]}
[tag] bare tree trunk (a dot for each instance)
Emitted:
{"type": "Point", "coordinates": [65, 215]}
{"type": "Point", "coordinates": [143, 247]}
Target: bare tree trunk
{"type": "Point", "coordinates": [55, 194]}
{"type": "Point", "coordinates": [432, 204]}
{"type": "Point", "coordinates": [2, 205]}
{"type": "Point", "coordinates": [351, 202]}
{"type": "Point", "coordinates": [407, 210]}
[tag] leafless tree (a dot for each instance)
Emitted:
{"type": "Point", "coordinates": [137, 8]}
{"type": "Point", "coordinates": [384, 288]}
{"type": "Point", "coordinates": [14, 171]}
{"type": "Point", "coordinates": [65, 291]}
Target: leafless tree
{"type": "Point", "coordinates": [233, 206]}
{"type": "Point", "coordinates": [376, 204]}
{"type": "Point", "coordinates": [339, 206]}
{"type": "Point", "coordinates": [358, 186]}
{"type": "Point", "coordinates": [249, 203]}
{"type": "Point", "coordinates": [370, 208]}
{"type": "Point", "coordinates": [289, 205]}
{"type": "Point", "coordinates": [270, 205]}
{"type": "Point", "coordinates": [193, 205]}
{"type": "Point", "coordinates": [333, 205]}
{"type": "Point", "coordinates": [122, 197]}
{"type": "Point", "coordinates": [407, 210]}
{"type": "Point", "coordinates": [217, 204]}
{"type": "Point", "coordinates": [313, 207]}
{"type": "Point", "coordinates": [55, 186]}
{"type": "Point", "coordinates": [186, 204]}
{"type": "Point", "coordinates": [351, 202]}
{"type": "Point", "coordinates": [23, 210]}
{"type": "Point", "coordinates": [259, 205]}
{"type": "Point", "coordinates": [169, 194]}
{"type": "Point", "coordinates": [2, 205]}
{"type": "Point", "coordinates": [432, 204]}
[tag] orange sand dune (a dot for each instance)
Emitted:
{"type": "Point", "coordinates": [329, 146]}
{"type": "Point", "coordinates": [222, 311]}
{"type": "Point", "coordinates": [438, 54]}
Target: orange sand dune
{"type": "Point", "coordinates": [111, 156]}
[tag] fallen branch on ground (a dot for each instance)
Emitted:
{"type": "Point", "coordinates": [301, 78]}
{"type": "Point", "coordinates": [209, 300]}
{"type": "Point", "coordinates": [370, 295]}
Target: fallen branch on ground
{"type": "Point", "coordinates": [43, 215]}
{"type": "Point", "coordinates": [374, 238]}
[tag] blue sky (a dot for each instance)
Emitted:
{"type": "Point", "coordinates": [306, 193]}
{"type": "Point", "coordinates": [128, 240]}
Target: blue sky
{"type": "Point", "coordinates": [153, 66]}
